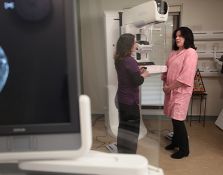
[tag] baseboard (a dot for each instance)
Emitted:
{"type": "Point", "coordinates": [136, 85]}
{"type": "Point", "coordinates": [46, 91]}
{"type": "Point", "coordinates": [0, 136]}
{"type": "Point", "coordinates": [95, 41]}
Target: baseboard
{"type": "Point", "coordinates": [163, 117]}
{"type": "Point", "coordinates": [158, 116]}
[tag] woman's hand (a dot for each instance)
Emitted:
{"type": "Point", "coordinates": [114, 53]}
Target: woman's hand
{"type": "Point", "coordinates": [166, 89]}
{"type": "Point", "coordinates": [142, 69]}
{"type": "Point", "coordinates": [163, 76]}
{"type": "Point", "coordinates": [145, 74]}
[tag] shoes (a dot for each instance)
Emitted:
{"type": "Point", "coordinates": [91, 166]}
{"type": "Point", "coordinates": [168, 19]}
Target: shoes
{"type": "Point", "coordinates": [179, 155]}
{"type": "Point", "coordinates": [170, 147]}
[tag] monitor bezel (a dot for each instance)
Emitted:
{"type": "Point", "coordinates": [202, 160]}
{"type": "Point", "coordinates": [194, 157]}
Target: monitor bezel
{"type": "Point", "coordinates": [72, 41]}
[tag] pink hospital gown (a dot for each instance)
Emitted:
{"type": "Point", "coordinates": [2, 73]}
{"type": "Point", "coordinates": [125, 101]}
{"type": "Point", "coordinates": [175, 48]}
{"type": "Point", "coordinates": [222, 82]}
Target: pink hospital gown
{"type": "Point", "coordinates": [181, 67]}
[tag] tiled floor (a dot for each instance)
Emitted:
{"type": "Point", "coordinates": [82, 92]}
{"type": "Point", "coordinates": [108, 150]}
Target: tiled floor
{"type": "Point", "coordinates": [206, 147]}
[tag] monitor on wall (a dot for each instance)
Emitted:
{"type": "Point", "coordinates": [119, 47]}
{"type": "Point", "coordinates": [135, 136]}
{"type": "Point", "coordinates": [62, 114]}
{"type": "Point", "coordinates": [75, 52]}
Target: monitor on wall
{"type": "Point", "coordinates": [39, 107]}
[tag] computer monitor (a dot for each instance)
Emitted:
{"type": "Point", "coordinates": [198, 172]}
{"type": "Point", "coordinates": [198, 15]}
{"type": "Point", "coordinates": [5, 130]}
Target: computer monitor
{"type": "Point", "coordinates": [39, 103]}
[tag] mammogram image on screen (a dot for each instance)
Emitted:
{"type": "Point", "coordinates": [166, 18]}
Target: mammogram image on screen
{"type": "Point", "coordinates": [4, 68]}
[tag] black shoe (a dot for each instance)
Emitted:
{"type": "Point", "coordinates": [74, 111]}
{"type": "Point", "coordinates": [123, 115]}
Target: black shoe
{"type": "Point", "coordinates": [179, 155]}
{"type": "Point", "coordinates": [170, 147]}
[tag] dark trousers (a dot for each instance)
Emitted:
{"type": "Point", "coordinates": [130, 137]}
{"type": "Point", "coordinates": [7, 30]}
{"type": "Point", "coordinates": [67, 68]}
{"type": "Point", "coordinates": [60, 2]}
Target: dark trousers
{"type": "Point", "coordinates": [180, 137]}
{"type": "Point", "coordinates": [128, 129]}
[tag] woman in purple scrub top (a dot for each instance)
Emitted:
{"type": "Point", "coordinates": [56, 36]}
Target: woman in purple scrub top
{"type": "Point", "coordinates": [130, 77]}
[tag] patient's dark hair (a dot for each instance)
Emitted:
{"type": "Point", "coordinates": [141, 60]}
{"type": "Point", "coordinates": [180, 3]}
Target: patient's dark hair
{"type": "Point", "coordinates": [124, 47]}
{"type": "Point", "coordinates": [187, 34]}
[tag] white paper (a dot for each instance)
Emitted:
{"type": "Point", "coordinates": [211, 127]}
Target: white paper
{"type": "Point", "coordinates": [155, 69]}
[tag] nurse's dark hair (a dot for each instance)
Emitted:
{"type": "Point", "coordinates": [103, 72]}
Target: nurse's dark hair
{"type": "Point", "coordinates": [124, 47]}
{"type": "Point", "coordinates": [187, 34]}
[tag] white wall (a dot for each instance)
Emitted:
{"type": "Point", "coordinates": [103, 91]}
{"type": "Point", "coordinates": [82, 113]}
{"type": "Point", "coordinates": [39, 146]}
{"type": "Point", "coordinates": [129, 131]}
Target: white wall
{"type": "Point", "coordinates": [200, 14]}
{"type": "Point", "coordinates": [196, 14]}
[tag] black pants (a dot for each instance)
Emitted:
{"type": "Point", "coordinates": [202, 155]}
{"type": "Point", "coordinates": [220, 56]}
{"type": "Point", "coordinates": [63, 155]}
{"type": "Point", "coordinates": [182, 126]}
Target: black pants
{"type": "Point", "coordinates": [128, 130]}
{"type": "Point", "coordinates": [180, 137]}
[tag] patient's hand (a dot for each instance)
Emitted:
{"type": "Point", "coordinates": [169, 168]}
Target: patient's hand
{"type": "Point", "coordinates": [163, 76]}
{"type": "Point", "coordinates": [166, 89]}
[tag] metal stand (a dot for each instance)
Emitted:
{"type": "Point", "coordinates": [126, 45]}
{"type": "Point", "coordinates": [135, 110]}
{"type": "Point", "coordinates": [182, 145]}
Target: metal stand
{"type": "Point", "coordinates": [202, 97]}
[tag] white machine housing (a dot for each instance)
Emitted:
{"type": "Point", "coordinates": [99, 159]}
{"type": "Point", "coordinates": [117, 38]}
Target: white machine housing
{"type": "Point", "coordinates": [137, 19]}
{"type": "Point", "coordinates": [146, 13]}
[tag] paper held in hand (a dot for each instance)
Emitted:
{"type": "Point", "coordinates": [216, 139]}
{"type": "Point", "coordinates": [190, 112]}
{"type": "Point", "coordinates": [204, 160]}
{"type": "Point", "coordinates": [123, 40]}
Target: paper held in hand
{"type": "Point", "coordinates": [155, 69]}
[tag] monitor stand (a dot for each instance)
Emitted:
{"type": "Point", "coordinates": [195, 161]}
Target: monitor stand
{"type": "Point", "coordinates": [95, 163]}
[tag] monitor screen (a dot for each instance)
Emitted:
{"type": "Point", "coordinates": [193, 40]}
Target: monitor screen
{"type": "Point", "coordinates": [38, 39]}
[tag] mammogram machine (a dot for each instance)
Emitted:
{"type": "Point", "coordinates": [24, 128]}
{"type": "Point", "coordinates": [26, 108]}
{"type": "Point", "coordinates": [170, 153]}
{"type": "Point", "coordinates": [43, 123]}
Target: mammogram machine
{"type": "Point", "coordinates": [138, 20]}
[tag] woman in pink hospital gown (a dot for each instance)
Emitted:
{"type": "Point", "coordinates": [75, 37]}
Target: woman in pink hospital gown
{"type": "Point", "coordinates": [178, 87]}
